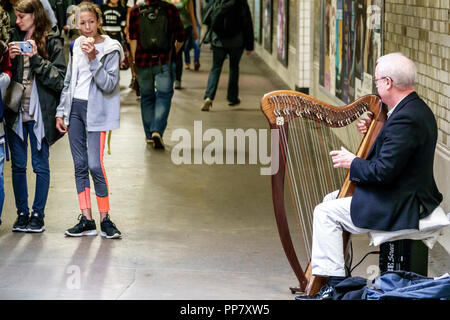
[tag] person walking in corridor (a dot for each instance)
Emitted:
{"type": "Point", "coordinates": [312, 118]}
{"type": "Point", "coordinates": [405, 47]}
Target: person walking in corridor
{"type": "Point", "coordinates": [155, 63]}
{"type": "Point", "coordinates": [187, 15]}
{"type": "Point", "coordinates": [192, 42]}
{"type": "Point", "coordinates": [230, 31]}
{"type": "Point", "coordinates": [90, 106]}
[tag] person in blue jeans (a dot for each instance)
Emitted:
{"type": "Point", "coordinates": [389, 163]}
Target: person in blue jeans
{"type": "Point", "coordinates": [192, 44]}
{"type": "Point", "coordinates": [157, 93]}
{"type": "Point", "coordinates": [5, 78]}
{"type": "Point", "coordinates": [155, 72]}
{"type": "Point", "coordinates": [42, 74]}
{"type": "Point", "coordinates": [2, 162]}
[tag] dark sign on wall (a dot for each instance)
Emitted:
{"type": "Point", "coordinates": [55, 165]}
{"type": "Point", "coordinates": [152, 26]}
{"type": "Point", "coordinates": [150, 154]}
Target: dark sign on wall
{"type": "Point", "coordinates": [282, 31]}
{"type": "Point", "coordinates": [268, 22]}
{"type": "Point", "coordinates": [257, 20]}
{"type": "Point", "coordinates": [351, 42]}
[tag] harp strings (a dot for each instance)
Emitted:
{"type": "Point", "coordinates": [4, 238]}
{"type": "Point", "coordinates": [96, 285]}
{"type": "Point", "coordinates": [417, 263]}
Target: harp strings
{"type": "Point", "coordinates": [310, 173]}
{"type": "Point", "coordinates": [301, 181]}
{"type": "Point", "coordinates": [299, 147]}
{"type": "Point", "coordinates": [290, 174]}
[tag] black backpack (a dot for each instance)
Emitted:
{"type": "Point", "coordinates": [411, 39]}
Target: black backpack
{"type": "Point", "coordinates": [224, 18]}
{"type": "Point", "coordinates": [154, 28]}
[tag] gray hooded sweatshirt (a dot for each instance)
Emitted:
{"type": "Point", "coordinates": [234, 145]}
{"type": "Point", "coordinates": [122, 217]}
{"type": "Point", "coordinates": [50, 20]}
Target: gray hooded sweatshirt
{"type": "Point", "coordinates": [103, 111]}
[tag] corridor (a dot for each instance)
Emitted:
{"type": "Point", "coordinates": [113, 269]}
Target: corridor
{"type": "Point", "coordinates": [190, 231]}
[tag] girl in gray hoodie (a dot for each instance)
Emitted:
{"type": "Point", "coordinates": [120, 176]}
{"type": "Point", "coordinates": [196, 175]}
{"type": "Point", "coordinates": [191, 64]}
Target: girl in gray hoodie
{"type": "Point", "coordinates": [89, 107]}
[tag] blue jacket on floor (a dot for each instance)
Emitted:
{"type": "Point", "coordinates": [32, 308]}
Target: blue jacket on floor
{"type": "Point", "coordinates": [408, 285]}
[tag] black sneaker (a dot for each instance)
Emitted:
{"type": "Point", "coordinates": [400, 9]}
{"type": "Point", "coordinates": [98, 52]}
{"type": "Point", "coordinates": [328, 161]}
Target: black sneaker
{"type": "Point", "coordinates": [234, 103]}
{"type": "Point", "coordinates": [21, 223]}
{"type": "Point", "coordinates": [84, 228]}
{"type": "Point", "coordinates": [109, 229]}
{"type": "Point", "coordinates": [36, 223]}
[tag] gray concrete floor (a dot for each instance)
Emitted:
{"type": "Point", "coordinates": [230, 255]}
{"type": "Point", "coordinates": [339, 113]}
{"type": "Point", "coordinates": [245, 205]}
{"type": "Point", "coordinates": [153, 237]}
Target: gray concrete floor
{"type": "Point", "coordinates": [189, 231]}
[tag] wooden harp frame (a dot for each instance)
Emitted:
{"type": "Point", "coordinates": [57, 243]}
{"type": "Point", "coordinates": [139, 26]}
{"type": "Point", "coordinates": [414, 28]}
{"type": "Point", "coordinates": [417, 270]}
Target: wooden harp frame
{"type": "Point", "coordinates": [279, 108]}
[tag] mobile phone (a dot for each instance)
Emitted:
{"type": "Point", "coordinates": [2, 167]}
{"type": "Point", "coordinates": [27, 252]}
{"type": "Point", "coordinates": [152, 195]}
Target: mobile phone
{"type": "Point", "coordinates": [24, 46]}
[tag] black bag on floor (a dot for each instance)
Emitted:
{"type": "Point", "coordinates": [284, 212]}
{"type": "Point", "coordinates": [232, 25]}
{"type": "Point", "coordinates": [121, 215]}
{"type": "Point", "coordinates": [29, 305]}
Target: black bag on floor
{"type": "Point", "coordinates": [351, 288]}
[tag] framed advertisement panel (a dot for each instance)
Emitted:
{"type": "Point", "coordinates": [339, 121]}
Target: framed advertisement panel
{"type": "Point", "coordinates": [350, 44]}
{"type": "Point", "coordinates": [282, 31]}
{"type": "Point", "coordinates": [257, 20]}
{"type": "Point", "coordinates": [268, 23]}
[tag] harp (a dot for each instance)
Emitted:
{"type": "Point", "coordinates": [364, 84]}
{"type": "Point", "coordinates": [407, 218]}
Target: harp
{"type": "Point", "coordinates": [305, 137]}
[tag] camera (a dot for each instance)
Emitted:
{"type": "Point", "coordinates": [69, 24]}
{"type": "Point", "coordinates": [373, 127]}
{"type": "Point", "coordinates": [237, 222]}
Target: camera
{"type": "Point", "coordinates": [25, 46]}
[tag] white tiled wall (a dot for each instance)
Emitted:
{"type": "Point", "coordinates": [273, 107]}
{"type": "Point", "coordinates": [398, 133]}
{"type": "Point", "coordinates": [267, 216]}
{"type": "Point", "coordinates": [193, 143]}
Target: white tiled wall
{"type": "Point", "coordinates": [305, 45]}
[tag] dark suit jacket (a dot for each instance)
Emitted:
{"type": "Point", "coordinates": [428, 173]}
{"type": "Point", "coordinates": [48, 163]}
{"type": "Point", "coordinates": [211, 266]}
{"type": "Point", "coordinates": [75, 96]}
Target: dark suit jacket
{"type": "Point", "coordinates": [395, 184]}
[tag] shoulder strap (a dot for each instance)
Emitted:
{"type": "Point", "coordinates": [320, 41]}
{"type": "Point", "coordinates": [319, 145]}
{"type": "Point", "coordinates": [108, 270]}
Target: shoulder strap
{"type": "Point", "coordinates": [109, 142]}
{"type": "Point", "coordinates": [71, 48]}
{"type": "Point", "coordinates": [1, 105]}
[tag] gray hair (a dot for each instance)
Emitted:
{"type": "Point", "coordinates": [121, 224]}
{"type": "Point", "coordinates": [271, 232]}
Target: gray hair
{"type": "Point", "coordinates": [399, 68]}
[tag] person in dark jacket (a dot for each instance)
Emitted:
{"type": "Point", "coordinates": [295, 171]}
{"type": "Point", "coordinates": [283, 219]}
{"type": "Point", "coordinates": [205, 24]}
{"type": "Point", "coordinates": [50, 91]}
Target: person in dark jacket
{"type": "Point", "coordinates": [42, 73]}
{"type": "Point", "coordinates": [395, 186]}
{"type": "Point", "coordinates": [5, 79]}
{"type": "Point", "coordinates": [59, 8]}
{"type": "Point", "coordinates": [233, 47]}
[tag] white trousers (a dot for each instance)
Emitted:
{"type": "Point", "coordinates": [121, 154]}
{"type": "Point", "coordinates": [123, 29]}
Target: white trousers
{"type": "Point", "coordinates": [331, 217]}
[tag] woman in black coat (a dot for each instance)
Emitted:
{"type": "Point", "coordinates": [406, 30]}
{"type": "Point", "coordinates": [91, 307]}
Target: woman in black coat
{"type": "Point", "coordinates": [42, 73]}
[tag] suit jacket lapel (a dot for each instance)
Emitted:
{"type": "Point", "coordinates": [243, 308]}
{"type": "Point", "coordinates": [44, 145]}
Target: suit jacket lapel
{"type": "Point", "coordinates": [408, 98]}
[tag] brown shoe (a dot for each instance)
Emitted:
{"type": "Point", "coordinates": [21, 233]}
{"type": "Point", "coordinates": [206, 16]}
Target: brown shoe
{"type": "Point", "coordinates": [196, 65]}
{"type": "Point", "coordinates": [187, 66]}
{"type": "Point", "coordinates": [157, 140]}
{"type": "Point", "coordinates": [207, 104]}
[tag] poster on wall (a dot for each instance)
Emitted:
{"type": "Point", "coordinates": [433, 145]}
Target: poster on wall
{"type": "Point", "coordinates": [257, 20]}
{"type": "Point", "coordinates": [350, 44]}
{"type": "Point", "coordinates": [267, 22]}
{"type": "Point", "coordinates": [282, 31]}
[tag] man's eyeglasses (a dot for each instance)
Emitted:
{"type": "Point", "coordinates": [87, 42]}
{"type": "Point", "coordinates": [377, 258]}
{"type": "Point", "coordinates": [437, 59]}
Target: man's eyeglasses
{"type": "Point", "coordinates": [376, 80]}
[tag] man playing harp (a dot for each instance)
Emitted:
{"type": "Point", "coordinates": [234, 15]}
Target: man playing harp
{"type": "Point", "coordinates": [395, 186]}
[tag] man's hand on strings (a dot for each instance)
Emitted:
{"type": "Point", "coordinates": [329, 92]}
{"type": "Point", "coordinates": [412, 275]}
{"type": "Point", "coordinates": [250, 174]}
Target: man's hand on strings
{"type": "Point", "coordinates": [342, 158]}
{"type": "Point", "coordinates": [363, 124]}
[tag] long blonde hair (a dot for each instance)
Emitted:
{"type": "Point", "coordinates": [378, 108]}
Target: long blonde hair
{"type": "Point", "coordinates": [90, 7]}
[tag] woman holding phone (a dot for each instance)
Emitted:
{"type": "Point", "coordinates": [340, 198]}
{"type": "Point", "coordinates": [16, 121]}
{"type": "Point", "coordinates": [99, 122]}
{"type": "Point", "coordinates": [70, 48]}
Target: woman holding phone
{"type": "Point", "coordinates": [41, 72]}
